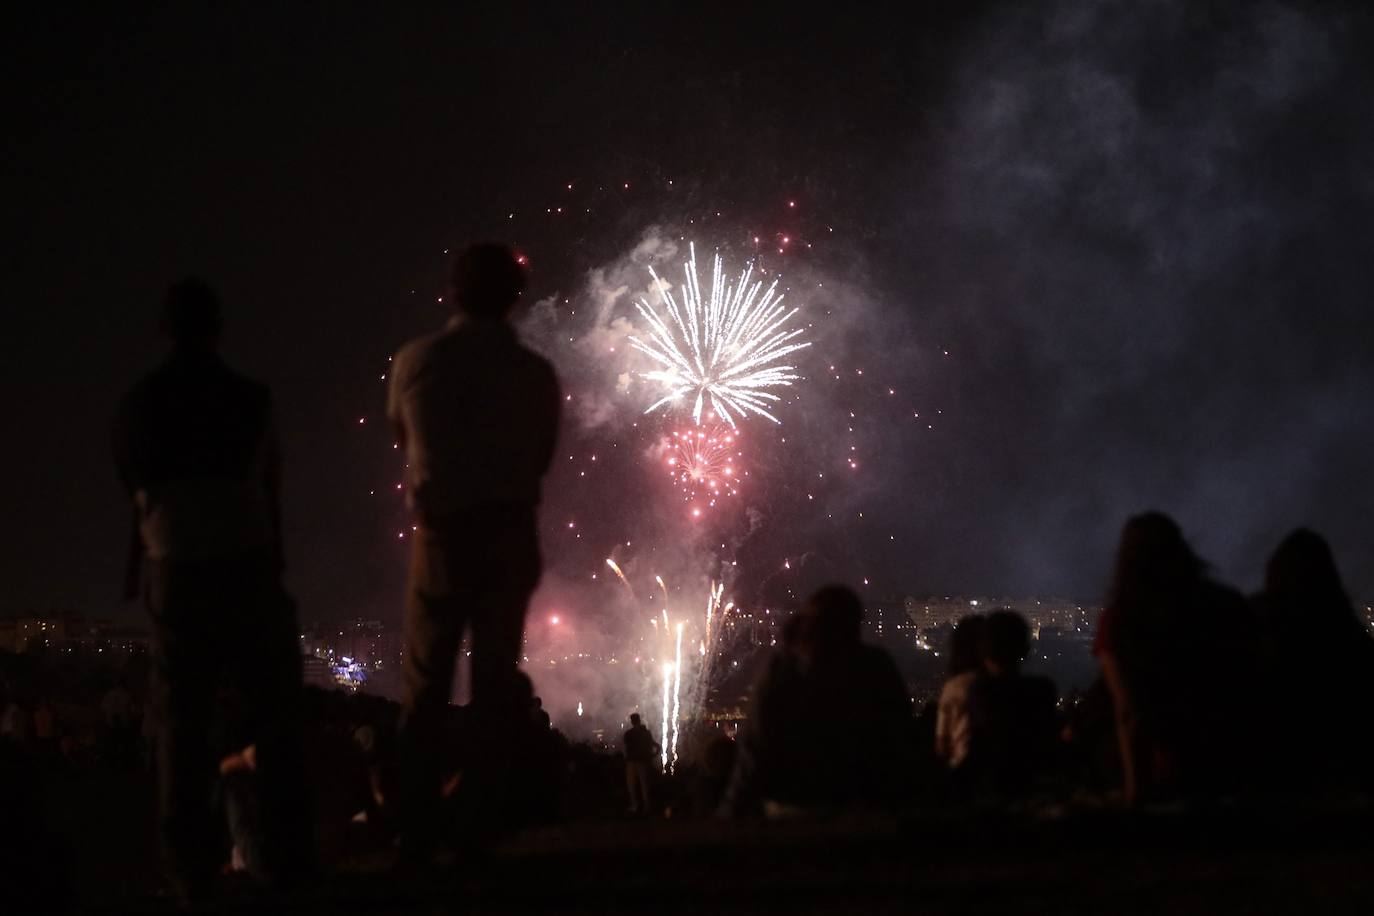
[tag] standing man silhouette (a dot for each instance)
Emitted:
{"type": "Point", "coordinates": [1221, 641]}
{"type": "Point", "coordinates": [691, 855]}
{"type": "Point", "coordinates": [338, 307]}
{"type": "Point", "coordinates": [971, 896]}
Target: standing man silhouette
{"type": "Point", "coordinates": [196, 450]}
{"type": "Point", "coordinates": [477, 414]}
{"type": "Point", "coordinates": [640, 748]}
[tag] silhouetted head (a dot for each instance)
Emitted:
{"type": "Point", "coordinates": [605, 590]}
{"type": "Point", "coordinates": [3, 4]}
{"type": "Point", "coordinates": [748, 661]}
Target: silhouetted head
{"type": "Point", "coordinates": [1302, 577]}
{"type": "Point", "coordinates": [1153, 562]}
{"type": "Point", "coordinates": [794, 630]}
{"type": "Point", "coordinates": [720, 755]}
{"type": "Point", "coordinates": [833, 616]}
{"type": "Point", "coordinates": [524, 690]}
{"type": "Point", "coordinates": [634, 718]}
{"type": "Point", "coordinates": [1005, 642]}
{"type": "Point", "coordinates": [191, 315]}
{"type": "Point", "coordinates": [966, 645]}
{"type": "Point", "coordinates": [487, 280]}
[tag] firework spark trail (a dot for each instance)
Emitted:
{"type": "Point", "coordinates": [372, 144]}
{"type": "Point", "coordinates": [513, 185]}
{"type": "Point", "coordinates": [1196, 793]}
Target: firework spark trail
{"type": "Point", "coordinates": [709, 629]}
{"type": "Point", "coordinates": [713, 629]}
{"type": "Point", "coordinates": [677, 691]}
{"type": "Point", "coordinates": [713, 602]}
{"type": "Point", "coordinates": [667, 683]}
{"type": "Point", "coordinates": [725, 348]}
{"type": "Point", "coordinates": [616, 569]}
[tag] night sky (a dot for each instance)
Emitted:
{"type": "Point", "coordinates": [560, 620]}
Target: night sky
{"type": "Point", "coordinates": [1122, 252]}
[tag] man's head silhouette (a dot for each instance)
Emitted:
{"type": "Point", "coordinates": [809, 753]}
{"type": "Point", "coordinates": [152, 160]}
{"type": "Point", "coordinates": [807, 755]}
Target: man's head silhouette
{"type": "Point", "coordinates": [834, 614]}
{"type": "Point", "coordinates": [634, 718]}
{"type": "Point", "coordinates": [487, 280]}
{"type": "Point", "coordinates": [966, 645]}
{"type": "Point", "coordinates": [1006, 641]}
{"type": "Point", "coordinates": [191, 314]}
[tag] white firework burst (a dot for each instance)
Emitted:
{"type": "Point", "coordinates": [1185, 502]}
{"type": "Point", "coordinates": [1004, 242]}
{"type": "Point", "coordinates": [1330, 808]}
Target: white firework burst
{"type": "Point", "coordinates": [724, 350]}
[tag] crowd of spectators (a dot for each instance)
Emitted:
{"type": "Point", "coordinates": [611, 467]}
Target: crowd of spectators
{"type": "Point", "coordinates": [1196, 690]}
{"type": "Point", "coordinates": [73, 709]}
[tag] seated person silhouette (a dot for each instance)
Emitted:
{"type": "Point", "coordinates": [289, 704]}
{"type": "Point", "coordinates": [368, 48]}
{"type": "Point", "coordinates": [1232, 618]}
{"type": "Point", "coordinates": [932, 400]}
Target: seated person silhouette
{"type": "Point", "coordinates": [1178, 656]}
{"type": "Point", "coordinates": [1012, 728]}
{"type": "Point", "coordinates": [830, 725]}
{"type": "Point", "coordinates": [1318, 673]}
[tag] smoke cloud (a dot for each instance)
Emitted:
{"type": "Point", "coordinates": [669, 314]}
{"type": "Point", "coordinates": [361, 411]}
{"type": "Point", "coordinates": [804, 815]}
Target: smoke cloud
{"type": "Point", "coordinates": [1149, 220]}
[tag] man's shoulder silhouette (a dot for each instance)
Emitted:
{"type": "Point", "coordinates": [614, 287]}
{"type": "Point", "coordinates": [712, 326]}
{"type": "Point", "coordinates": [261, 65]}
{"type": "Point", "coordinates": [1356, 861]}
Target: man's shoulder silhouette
{"type": "Point", "coordinates": [185, 378]}
{"type": "Point", "coordinates": [418, 347]}
{"type": "Point", "coordinates": [194, 404]}
{"type": "Point", "coordinates": [479, 347]}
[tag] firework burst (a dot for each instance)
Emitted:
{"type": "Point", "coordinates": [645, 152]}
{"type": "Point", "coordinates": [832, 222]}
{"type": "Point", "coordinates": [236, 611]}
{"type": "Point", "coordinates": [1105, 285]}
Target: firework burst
{"type": "Point", "coordinates": [723, 350]}
{"type": "Point", "coordinates": [703, 462]}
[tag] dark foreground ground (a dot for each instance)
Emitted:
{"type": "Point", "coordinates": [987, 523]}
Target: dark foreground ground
{"type": "Point", "coordinates": [1276, 859]}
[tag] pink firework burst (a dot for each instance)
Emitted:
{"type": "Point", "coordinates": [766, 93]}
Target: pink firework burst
{"type": "Point", "coordinates": [704, 462]}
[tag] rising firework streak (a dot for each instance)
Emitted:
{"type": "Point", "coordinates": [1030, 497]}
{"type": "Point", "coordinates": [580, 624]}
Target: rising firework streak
{"type": "Point", "coordinates": [615, 567]}
{"type": "Point", "coordinates": [667, 693]}
{"type": "Point", "coordinates": [677, 691]}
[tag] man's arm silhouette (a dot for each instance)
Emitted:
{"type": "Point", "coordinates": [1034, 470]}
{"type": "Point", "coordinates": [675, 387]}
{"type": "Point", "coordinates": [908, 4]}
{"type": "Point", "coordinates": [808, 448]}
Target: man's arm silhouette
{"type": "Point", "coordinates": [128, 477]}
{"type": "Point", "coordinates": [548, 410]}
{"type": "Point", "coordinates": [393, 399]}
{"type": "Point", "coordinates": [272, 487]}
{"type": "Point", "coordinates": [1128, 733]}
